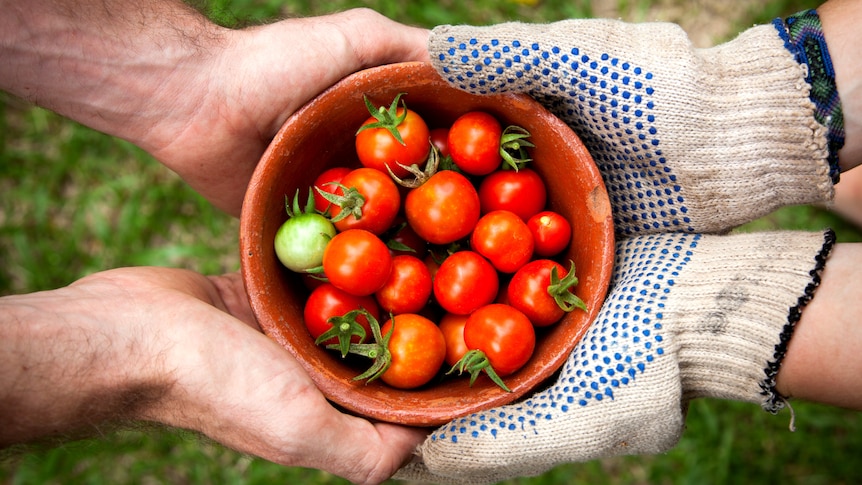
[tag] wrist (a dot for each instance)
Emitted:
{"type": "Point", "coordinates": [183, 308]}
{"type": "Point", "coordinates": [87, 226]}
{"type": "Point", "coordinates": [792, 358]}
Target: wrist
{"type": "Point", "coordinates": [803, 37]}
{"type": "Point", "coordinates": [71, 365]}
{"type": "Point", "coordinates": [840, 29]}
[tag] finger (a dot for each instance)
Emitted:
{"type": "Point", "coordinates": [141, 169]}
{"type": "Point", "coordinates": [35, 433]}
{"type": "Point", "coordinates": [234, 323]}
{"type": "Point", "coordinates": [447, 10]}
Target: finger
{"type": "Point", "coordinates": [379, 40]}
{"type": "Point", "coordinates": [363, 452]}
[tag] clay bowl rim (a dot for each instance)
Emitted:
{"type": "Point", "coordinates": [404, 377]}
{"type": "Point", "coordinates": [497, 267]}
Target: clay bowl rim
{"type": "Point", "coordinates": [430, 405]}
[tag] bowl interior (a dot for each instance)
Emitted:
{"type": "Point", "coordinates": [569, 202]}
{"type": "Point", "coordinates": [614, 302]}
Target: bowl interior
{"type": "Point", "coordinates": [319, 136]}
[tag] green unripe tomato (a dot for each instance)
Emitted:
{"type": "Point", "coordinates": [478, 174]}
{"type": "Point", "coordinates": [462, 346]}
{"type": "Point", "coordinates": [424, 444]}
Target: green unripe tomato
{"type": "Point", "coordinates": [300, 241]}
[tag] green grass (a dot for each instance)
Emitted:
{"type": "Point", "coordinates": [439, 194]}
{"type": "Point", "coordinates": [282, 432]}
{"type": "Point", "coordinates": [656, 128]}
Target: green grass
{"type": "Point", "coordinates": [75, 201]}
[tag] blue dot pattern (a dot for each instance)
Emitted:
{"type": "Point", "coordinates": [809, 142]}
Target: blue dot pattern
{"type": "Point", "coordinates": [609, 102]}
{"type": "Point", "coordinates": [626, 338]}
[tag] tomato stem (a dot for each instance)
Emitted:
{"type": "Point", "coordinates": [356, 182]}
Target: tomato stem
{"type": "Point", "coordinates": [293, 209]}
{"type": "Point", "coordinates": [350, 201]}
{"type": "Point", "coordinates": [343, 329]}
{"type": "Point", "coordinates": [378, 350]}
{"type": "Point", "coordinates": [475, 362]}
{"type": "Point", "coordinates": [513, 147]}
{"type": "Point", "coordinates": [387, 118]}
{"type": "Point", "coordinates": [419, 176]}
{"type": "Point", "coordinates": [561, 289]}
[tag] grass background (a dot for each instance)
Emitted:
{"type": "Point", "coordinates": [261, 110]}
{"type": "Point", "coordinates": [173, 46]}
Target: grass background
{"type": "Point", "coordinates": [75, 201]}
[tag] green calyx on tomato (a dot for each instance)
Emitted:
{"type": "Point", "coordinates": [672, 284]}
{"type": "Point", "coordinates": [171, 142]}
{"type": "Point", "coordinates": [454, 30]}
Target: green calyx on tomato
{"type": "Point", "coordinates": [475, 361]}
{"type": "Point", "coordinates": [343, 329]}
{"type": "Point", "coordinates": [350, 201]}
{"type": "Point", "coordinates": [560, 289]}
{"type": "Point", "coordinates": [377, 351]}
{"type": "Point", "coordinates": [387, 118]}
{"type": "Point", "coordinates": [513, 147]}
{"type": "Point", "coordinates": [301, 241]}
{"type": "Point", "coordinates": [420, 176]}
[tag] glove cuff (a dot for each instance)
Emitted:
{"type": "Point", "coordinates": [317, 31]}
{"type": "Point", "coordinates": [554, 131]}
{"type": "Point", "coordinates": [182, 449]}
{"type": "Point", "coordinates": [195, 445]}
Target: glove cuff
{"type": "Point", "coordinates": [803, 37]}
{"type": "Point", "coordinates": [735, 311]}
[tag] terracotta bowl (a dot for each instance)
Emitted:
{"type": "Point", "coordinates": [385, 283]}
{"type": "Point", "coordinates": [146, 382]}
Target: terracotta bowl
{"type": "Point", "coordinates": [320, 135]}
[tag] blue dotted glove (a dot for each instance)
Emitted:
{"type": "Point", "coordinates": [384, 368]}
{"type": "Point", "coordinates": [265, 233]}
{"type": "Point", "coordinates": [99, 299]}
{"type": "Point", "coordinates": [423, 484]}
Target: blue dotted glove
{"type": "Point", "coordinates": [694, 140]}
{"type": "Point", "coordinates": [689, 141]}
{"type": "Point", "coordinates": [688, 316]}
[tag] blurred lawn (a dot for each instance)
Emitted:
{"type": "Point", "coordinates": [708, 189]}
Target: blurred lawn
{"type": "Point", "coordinates": [74, 202]}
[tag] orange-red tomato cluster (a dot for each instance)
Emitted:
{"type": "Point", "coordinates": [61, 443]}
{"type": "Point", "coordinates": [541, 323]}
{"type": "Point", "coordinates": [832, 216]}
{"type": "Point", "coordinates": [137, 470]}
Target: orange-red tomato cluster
{"type": "Point", "coordinates": [459, 263]}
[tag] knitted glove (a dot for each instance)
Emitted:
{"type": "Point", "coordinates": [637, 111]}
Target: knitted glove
{"type": "Point", "coordinates": [687, 316]}
{"type": "Point", "coordinates": [694, 140]}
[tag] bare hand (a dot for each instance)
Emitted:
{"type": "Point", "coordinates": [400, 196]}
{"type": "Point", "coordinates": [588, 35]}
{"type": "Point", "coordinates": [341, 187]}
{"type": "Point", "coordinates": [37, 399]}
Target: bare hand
{"type": "Point", "coordinates": [175, 347]}
{"type": "Point", "coordinates": [261, 77]}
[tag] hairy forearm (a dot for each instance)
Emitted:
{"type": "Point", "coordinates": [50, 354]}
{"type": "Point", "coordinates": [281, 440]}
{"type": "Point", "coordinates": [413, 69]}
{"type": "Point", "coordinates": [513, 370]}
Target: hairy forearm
{"type": "Point", "coordinates": [111, 65]}
{"type": "Point", "coordinates": [64, 373]}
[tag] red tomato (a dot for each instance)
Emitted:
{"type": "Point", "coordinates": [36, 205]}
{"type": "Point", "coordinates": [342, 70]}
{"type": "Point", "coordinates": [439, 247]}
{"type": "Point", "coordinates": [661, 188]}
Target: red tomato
{"type": "Point", "coordinates": [452, 327]}
{"type": "Point", "coordinates": [418, 349]}
{"type": "Point", "coordinates": [474, 143]}
{"type": "Point", "coordinates": [440, 139]}
{"type": "Point", "coordinates": [504, 334]}
{"type": "Point", "coordinates": [528, 292]}
{"type": "Point", "coordinates": [464, 282]}
{"type": "Point", "coordinates": [375, 207]}
{"type": "Point", "coordinates": [444, 209]}
{"type": "Point", "coordinates": [327, 301]}
{"type": "Point", "coordinates": [522, 192]}
{"type": "Point", "coordinates": [543, 298]}
{"type": "Point", "coordinates": [504, 239]}
{"type": "Point", "coordinates": [324, 183]}
{"type": "Point", "coordinates": [408, 288]}
{"type": "Point", "coordinates": [551, 233]}
{"type": "Point", "coordinates": [377, 148]}
{"type": "Point", "coordinates": [357, 262]}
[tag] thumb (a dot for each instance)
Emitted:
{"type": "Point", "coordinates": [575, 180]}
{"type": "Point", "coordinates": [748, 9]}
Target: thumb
{"type": "Point", "coordinates": [376, 39]}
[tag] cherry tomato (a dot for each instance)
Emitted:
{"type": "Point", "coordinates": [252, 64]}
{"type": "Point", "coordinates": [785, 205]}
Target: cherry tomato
{"type": "Point", "coordinates": [327, 301]}
{"type": "Point", "coordinates": [474, 143]}
{"type": "Point", "coordinates": [464, 282]}
{"type": "Point", "coordinates": [504, 334]}
{"type": "Point", "coordinates": [440, 139]}
{"type": "Point", "coordinates": [408, 288]}
{"type": "Point", "coordinates": [504, 239]}
{"type": "Point", "coordinates": [418, 350]}
{"type": "Point", "coordinates": [357, 262]}
{"type": "Point", "coordinates": [371, 198]}
{"type": "Point", "coordinates": [551, 233]}
{"type": "Point", "coordinates": [522, 192]}
{"type": "Point", "coordinates": [377, 147]}
{"type": "Point", "coordinates": [300, 242]}
{"type": "Point", "coordinates": [528, 292]}
{"type": "Point", "coordinates": [452, 327]}
{"type": "Point", "coordinates": [544, 290]}
{"type": "Point", "coordinates": [324, 182]}
{"type": "Point", "coordinates": [444, 209]}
